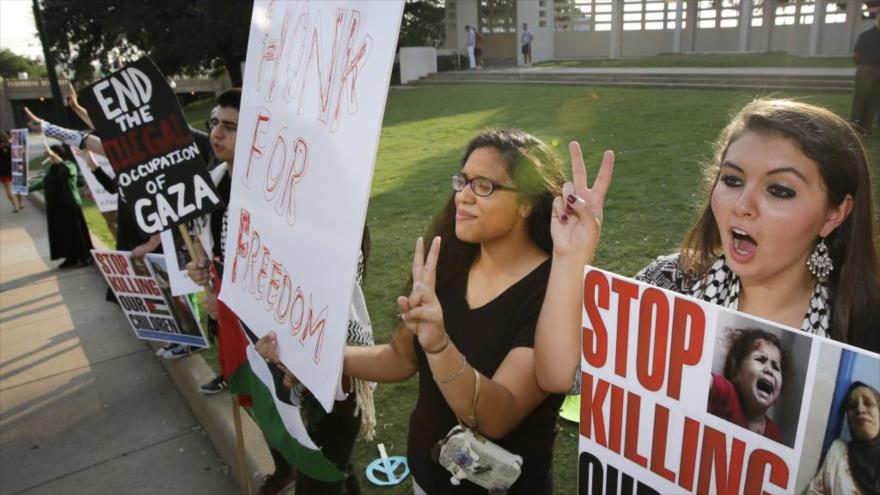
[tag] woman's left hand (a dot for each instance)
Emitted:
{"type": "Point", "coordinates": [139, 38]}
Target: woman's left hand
{"type": "Point", "coordinates": [421, 311]}
{"type": "Point", "coordinates": [577, 215]}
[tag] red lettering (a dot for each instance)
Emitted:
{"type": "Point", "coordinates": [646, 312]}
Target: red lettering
{"type": "Point", "coordinates": [688, 453]}
{"type": "Point", "coordinates": [256, 150]}
{"type": "Point", "coordinates": [759, 461]}
{"type": "Point", "coordinates": [241, 250]}
{"type": "Point", "coordinates": [631, 444]}
{"type": "Point", "coordinates": [274, 285]}
{"type": "Point", "coordinates": [596, 296]}
{"type": "Point", "coordinates": [626, 292]}
{"type": "Point", "coordinates": [658, 447]}
{"type": "Point", "coordinates": [615, 434]}
{"type": "Point", "coordinates": [687, 346]}
{"type": "Point", "coordinates": [263, 274]}
{"type": "Point", "coordinates": [713, 459]}
{"type": "Point", "coordinates": [592, 417]}
{"type": "Point", "coordinates": [651, 374]}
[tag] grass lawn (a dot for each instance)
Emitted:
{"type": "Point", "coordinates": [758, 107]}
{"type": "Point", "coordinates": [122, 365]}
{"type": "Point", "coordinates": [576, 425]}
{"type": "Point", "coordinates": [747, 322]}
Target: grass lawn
{"type": "Point", "coordinates": [660, 137]}
{"type": "Point", "coordinates": [772, 59]}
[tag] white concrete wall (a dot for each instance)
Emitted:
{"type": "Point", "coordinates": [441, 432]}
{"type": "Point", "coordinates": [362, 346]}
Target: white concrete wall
{"type": "Point", "coordinates": [465, 14]}
{"type": "Point", "coordinates": [646, 43]}
{"type": "Point", "coordinates": [581, 44]}
{"type": "Point", "coordinates": [529, 11]}
{"type": "Point", "coordinates": [417, 61]}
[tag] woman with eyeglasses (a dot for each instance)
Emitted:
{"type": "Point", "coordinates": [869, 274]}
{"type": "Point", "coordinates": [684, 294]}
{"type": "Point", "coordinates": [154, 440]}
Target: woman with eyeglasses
{"type": "Point", "coordinates": [470, 318]}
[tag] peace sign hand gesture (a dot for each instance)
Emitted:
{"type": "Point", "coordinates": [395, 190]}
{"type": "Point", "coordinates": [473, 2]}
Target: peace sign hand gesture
{"type": "Point", "coordinates": [421, 311]}
{"type": "Point", "coordinates": [577, 215]}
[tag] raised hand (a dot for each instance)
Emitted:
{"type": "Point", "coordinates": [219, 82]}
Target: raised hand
{"type": "Point", "coordinates": [34, 123]}
{"type": "Point", "coordinates": [421, 311]}
{"type": "Point", "coordinates": [577, 215]}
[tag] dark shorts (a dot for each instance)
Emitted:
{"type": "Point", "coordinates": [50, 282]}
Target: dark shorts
{"type": "Point", "coordinates": [527, 49]}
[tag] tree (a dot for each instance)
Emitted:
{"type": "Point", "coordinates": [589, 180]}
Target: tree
{"type": "Point", "coordinates": [422, 24]}
{"type": "Point", "coordinates": [11, 64]}
{"type": "Point", "coordinates": [181, 36]}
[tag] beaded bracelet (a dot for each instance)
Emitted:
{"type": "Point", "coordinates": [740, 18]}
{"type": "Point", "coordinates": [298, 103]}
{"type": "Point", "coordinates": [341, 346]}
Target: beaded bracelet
{"type": "Point", "coordinates": [454, 375]}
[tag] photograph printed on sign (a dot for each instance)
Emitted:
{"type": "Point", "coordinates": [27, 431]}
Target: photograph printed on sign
{"type": "Point", "coordinates": [181, 308]}
{"type": "Point", "coordinates": [177, 255]}
{"type": "Point", "coordinates": [18, 142]}
{"type": "Point", "coordinates": [841, 452]}
{"type": "Point", "coordinates": [756, 383]}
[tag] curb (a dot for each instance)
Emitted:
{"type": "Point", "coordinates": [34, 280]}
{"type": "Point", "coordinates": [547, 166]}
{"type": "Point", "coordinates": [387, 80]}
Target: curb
{"type": "Point", "coordinates": [213, 412]}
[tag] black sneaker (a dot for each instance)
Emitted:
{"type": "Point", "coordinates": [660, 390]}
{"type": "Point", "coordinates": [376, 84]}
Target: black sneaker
{"type": "Point", "coordinates": [215, 386]}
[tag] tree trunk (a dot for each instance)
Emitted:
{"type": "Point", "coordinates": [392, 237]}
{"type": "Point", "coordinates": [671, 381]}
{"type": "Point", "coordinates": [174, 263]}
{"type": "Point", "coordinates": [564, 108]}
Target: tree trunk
{"type": "Point", "coordinates": [60, 116]}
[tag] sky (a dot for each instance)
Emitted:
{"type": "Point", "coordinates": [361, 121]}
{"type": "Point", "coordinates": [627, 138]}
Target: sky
{"type": "Point", "coordinates": [18, 32]}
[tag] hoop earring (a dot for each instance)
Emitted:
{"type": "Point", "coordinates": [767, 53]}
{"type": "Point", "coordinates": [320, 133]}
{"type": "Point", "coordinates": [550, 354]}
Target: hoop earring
{"type": "Point", "coordinates": [820, 263]}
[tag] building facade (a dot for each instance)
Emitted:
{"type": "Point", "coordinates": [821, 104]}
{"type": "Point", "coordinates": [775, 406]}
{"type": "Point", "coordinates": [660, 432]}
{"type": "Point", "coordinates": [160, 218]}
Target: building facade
{"type": "Point", "coordinates": [628, 28]}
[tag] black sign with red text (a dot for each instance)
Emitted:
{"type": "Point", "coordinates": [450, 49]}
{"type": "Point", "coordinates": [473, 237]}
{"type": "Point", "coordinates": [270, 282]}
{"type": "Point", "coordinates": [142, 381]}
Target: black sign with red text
{"type": "Point", "coordinates": [162, 177]}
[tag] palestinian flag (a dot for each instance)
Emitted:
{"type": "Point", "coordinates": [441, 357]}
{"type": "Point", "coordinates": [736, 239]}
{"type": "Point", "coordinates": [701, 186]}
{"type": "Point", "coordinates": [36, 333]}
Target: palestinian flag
{"type": "Point", "coordinates": [251, 379]}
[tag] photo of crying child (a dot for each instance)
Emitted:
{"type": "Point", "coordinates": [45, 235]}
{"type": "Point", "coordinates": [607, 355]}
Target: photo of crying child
{"type": "Point", "coordinates": [754, 382]}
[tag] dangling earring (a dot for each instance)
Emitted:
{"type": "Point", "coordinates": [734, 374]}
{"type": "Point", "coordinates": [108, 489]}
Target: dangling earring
{"type": "Point", "coordinates": [820, 263]}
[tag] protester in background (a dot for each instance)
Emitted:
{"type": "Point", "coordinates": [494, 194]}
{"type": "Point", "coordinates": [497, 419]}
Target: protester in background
{"type": "Point", "coordinates": [526, 41]}
{"type": "Point", "coordinates": [478, 49]}
{"type": "Point", "coordinates": [6, 171]}
{"type": "Point", "coordinates": [335, 432]}
{"type": "Point", "coordinates": [223, 126]}
{"type": "Point", "coordinates": [756, 370]}
{"type": "Point", "coordinates": [68, 233]}
{"type": "Point", "coordinates": [854, 467]}
{"type": "Point", "coordinates": [471, 46]}
{"type": "Point", "coordinates": [470, 318]}
{"type": "Point", "coordinates": [786, 233]}
{"type": "Point", "coordinates": [866, 94]}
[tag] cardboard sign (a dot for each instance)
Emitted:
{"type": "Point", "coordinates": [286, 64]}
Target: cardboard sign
{"type": "Point", "coordinates": [144, 293]}
{"type": "Point", "coordinates": [311, 112]}
{"type": "Point", "coordinates": [683, 396]}
{"type": "Point", "coordinates": [18, 141]}
{"type": "Point", "coordinates": [105, 201]}
{"type": "Point", "coordinates": [144, 133]}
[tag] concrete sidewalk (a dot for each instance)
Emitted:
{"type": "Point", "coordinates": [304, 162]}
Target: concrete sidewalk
{"type": "Point", "coordinates": [85, 407]}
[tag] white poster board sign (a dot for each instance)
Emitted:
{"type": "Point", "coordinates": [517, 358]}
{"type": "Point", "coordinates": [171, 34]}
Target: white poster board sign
{"type": "Point", "coordinates": [313, 98]}
{"type": "Point", "coordinates": [683, 396]}
{"type": "Point", "coordinates": [105, 201]}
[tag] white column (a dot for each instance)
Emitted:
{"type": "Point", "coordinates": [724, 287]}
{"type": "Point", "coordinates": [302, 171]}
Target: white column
{"type": "Point", "coordinates": [816, 28]}
{"type": "Point", "coordinates": [676, 38]}
{"type": "Point", "coordinates": [745, 24]}
{"type": "Point", "coordinates": [616, 29]}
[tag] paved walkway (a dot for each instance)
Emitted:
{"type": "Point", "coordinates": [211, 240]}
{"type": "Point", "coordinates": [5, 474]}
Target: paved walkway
{"type": "Point", "coordinates": [85, 407]}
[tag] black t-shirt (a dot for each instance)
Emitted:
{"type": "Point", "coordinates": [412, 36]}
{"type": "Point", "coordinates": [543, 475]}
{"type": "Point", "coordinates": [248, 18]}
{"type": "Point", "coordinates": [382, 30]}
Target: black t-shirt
{"type": "Point", "coordinates": [485, 336]}
{"type": "Point", "coordinates": [868, 47]}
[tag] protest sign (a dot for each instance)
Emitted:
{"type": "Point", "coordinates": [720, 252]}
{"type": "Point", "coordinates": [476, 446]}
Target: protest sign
{"type": "Point", "coordinates": [314, 95]}
{"type": "Point", "coordinates": [159, 170]}
{"type": "Point", "coordinates": [683, 396]}
{"type": "Point", "coordinates": [143, 292]}
{"type": "Point", "coordinates": [177, 256]}
{"type": "Point", "coordinates": [18, 142]}
{"type": "Point", "coordinates": [105, 201]}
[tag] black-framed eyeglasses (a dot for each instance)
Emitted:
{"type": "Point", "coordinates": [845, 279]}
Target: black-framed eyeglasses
{"type": "Point", "coordinates": [481, 186]}
{"type": "Point", "coordinates": [214, 122]}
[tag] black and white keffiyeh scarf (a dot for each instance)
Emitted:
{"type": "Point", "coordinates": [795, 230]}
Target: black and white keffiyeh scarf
{"type": "Point", "coordinates": [720, 285]}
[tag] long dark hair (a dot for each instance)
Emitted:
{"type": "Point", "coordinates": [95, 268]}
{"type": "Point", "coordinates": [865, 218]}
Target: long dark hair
{"type": "Point", "coordinates": [742, 341]}
{"type": "Point", "coordinates": [829, 141]}
{"type": "Point", "coordinates": [537, 174]}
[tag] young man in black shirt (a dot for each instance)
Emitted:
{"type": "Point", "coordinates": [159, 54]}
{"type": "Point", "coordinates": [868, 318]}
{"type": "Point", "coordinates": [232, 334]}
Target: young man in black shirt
{"type": "Point", "coordinates": [866, 97]}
